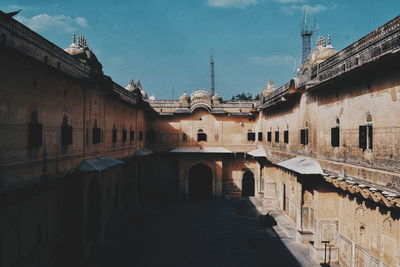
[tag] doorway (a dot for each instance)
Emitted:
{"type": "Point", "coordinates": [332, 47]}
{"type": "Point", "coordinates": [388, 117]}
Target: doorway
{"type": "Point", "coordinates": [200, 182]}
{"type": "Point", "coordinates": [248, 184]}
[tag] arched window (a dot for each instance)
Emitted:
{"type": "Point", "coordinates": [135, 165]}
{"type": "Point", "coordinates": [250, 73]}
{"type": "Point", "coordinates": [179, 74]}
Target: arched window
{"type": "Point", "coordinates": [66, 132]}
{"type": "Point", "coordinates": [131, 135]}
{"type": "Point", "coordinates": [251, 136]}
{"type": "Point", "coordinates": [124, 134]}
{"type": "Point", "coordinates": [201, 135]}
{"type": "Point", "coordinates": [96, 133]}
{"type": "Point", "coordinates": [35, 131]}
{"type": "Point", "coordinates": [277, 135]}
{"type": "Point", "coordinates": [304, 135]}
{"type": "Point", "coordinates": [114, 134]}
{"type": "Point", "coordinates": [335, 134]}
{"type": "Point", "coordinates": [365, 133]}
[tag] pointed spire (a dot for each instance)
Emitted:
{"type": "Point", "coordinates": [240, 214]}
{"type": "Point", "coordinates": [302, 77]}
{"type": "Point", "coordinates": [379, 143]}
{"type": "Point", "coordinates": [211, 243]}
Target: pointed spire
{"type": "Point", "coordinates": [329, 39]}
{"type": "Point", "coordinates": [73, 38]}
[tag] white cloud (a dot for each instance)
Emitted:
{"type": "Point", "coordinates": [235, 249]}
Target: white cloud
{"type": "Point", "coordinates": [311, 9]}
{"type": "Point", "coordinates": [45, 22]}
{"type": "Point", "coordinates": [273, 60]}
{"type": "Point", "coordinates": [231, 3]}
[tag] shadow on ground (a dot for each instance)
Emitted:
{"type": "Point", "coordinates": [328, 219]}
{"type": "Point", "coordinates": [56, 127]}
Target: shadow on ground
{"type": "Point", "coordinates": [192, 233]}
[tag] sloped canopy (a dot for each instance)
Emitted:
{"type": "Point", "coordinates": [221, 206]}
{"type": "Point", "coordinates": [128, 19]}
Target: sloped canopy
{"type": "Point", "coordinates": [200, 150]}
{"type": "Point", "coordinates": [302, 165]}
{"type": "Point", "coordinates": [99, 164]}
{"type": "Point", "coordinates": [143, 152]}
{"type": "Point", "coordinates": [258, 153]}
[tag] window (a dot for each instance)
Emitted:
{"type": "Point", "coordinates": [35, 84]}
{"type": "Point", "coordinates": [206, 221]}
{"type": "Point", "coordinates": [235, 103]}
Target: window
{"type": "Point", "coordinates": [251, 136]}
{"type": "Point", "coordinates": [131, 135]}
{"type": "Point", "coordinates": [201, 135]}
{"type": "Point", "coordinates": [365, 133]}
{"type": "Point", "coordinates": [114, 135]}
{"type": "Point", "coordinates": [124, 135]}
{"type": "Point", "coordinates": [335, 136]}
{"type": "Point", "coordinates": [277, 136]}
{"type": "Point", "coordinates": [269, 136]}
{"type": "Point", "coordinates": [96, 133]}
{"type": "Point", "coordinates": [365, 137]}
{"type": "Point", "coordinates": [260, 136]}
{"type": "Point", "coordinates": [184, 137]}
{"type": "Point", "coordinates": [286, 137]}
{"type": "Point", "coordinates": [304, 136]}
{"type": "Point", "coordinates": [35, 131]}
{"type": "Point", "coordinates": [140, 136]}
{"type": "Point", "coordinates": [66, 133]}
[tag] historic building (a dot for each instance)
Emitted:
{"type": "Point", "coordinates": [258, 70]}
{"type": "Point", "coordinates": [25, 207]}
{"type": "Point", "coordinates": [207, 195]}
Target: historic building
{"type": "Point", "coordinates": [76, 148]}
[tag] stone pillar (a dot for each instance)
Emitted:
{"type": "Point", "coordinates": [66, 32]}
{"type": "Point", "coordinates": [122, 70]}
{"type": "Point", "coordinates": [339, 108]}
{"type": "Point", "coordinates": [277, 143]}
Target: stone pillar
{"type": "Point", "coordinates": [218, 178]}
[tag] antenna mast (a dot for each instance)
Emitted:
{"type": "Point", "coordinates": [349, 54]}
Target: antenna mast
{"type": "Point", "coordinates": [306, 32]}
{"type": "Point", "coordinates": [212, 75]}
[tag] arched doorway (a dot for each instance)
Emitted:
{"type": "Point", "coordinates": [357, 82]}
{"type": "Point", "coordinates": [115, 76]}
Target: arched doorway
{"type": "Point", "coordinates": [93, 214]}
{"type": "Point", "coordinates": [200, 182]}
{"type": "Point", "coordinates": [248, 184]}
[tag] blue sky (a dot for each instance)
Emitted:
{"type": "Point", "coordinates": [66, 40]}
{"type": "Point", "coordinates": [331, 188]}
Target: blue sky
{"type": "Point", "coordinates": [166, 43]}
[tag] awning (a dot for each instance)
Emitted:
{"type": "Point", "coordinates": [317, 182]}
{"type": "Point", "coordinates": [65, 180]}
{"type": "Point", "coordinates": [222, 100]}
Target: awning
{"type": "Point", "coordinates": [142, 152]}
{"type": "Point", "coordinates": [200, 150]}
{"type": "Point", "coordinates": [302, 165]}
{"type": "Point", "coordinates": [258, 153]}
{"type": "Point", "coordinates": [99, 164]}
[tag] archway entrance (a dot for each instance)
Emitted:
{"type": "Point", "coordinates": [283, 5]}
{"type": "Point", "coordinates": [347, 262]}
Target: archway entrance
{"type": "Point", "coordinates": [93, 213]}
{"type": "Point", "coordinates": [200, 182]}
{"type": "Point", "coordinates": [248, 184]}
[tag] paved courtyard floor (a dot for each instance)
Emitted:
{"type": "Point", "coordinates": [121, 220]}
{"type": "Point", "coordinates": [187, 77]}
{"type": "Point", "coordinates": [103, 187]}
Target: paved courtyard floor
{"type": "Point", "coordinates": [196, 233]}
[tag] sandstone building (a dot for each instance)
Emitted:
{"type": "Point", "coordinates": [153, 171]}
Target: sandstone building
{"type": "Point", "coordinates": [76, 148]}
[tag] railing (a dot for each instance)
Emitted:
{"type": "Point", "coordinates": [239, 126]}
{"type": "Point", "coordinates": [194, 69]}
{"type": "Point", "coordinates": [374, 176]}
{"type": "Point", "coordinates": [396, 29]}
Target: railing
{"type": "Point", "coordinates": [20, 31]}
{"type": "Point", "coordinates": [384, 40]}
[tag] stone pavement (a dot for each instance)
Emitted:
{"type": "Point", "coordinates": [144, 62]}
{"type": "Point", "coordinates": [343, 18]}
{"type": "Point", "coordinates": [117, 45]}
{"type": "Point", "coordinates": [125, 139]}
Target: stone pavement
{"type": "Point", "coordinates": [197, 233]}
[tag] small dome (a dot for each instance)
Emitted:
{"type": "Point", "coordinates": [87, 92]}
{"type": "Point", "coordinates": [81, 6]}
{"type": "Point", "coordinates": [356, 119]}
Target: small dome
{"type": "Point", "coordinates": [269, 88]}
{"type": "Point", "coordinates": [152, 98]}
{"type": "Point", "coordinates": [200, 94]}
{"type": "Point", "coordinates": [131, 85]}
{"type": "Point", "coordinates": [216, 97]}
{"type": "Point", "coordinates": [184, 97]}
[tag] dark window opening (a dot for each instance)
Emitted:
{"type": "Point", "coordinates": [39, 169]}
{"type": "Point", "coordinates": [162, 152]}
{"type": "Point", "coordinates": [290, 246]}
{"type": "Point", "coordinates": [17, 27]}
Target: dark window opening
{"type": "Point", "coordinates": [35, 131]}
{"type": "Point", "coordinates": [304, 136]}
{"type": "Point", "coordinates": [260, 136]}
{"type": "Point", "coordinates": [35, 134]}
{"type": "Point", "coordinates": [201, 136]}
{"type": "Point", "coordinates": [184, 137]}
{"type": "Point", "coordinates": [286, 137]}
{"type": "Point", "coordinates": [269, 136]}
{"type": "Point", "coordinates": [365, 137]}
{"type": "Point", "coordinates": [124, 135]}
{"type": "Point", "coordinates": [251, 136]}
{"type": "Point", "coordinates": [66, 134]}
{"type": "Point", "coordinates": [114, 135]}
{"type": "Point", "coordinates": [140, 136]}
{"type": "Point", "coordinates": [131, 135]}
{"type": "Point", "coordinates": [277, 136]}
{"type": "Point", "coordinates": [96, 135]}
{"type": "Point", "coordinates": [335, 136]}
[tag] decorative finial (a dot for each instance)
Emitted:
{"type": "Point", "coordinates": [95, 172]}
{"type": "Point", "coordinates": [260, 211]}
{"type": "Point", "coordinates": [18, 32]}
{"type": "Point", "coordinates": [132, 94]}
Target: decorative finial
{"type": "Point", "coordinates": [323, 41]}
{"type": "Point", "coordinates": [73, 38]}
{"type": "Point", "coordinates": [329, 39]}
